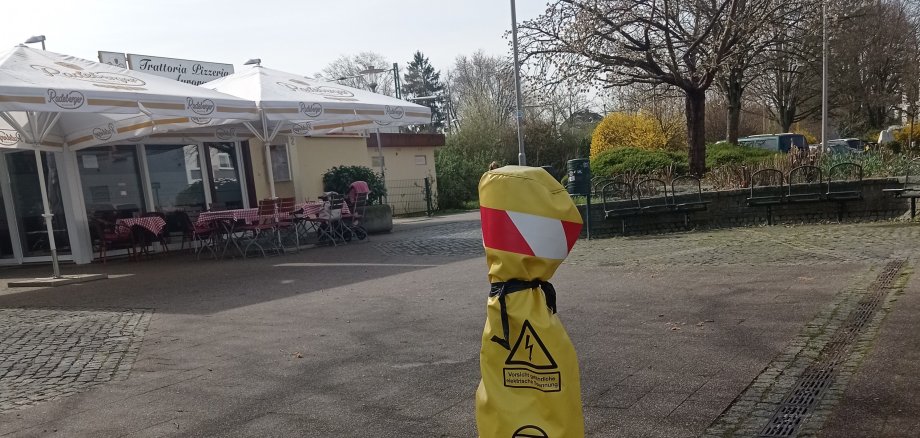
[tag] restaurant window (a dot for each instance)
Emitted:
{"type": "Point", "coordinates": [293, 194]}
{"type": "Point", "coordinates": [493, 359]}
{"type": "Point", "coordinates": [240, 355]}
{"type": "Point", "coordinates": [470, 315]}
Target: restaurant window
{"type": "Point", "coordinates": [111, 182]}
{"type": "Point", "coordinates": [281, 168]}
{"type": "Point", "coordinates": [226, 190]}
{"type": "Point", "coordinates": [175, 177]}
{"type": "Point", "coordinates": [27, 203]}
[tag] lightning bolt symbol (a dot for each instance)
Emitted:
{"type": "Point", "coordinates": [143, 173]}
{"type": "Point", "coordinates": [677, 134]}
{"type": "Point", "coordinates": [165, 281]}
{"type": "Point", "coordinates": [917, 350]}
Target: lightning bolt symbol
{"type": "Point", "coordinates": [529, 348]}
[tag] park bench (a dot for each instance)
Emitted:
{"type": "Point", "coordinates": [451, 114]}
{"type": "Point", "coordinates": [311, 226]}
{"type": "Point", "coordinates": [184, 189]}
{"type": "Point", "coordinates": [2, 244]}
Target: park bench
{"type": "Point", "coordinates": [767, 190]}
{"type": "Point", "coordinates": [910, 187]}
{"type": "Point", "coordinates": [652, 196]}
{"type": "Point", "coordinates": [844, 183]}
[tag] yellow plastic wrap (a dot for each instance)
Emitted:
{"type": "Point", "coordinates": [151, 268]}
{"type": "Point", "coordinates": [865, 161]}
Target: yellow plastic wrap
{"type": "Point", "coordinates": [530, 383]}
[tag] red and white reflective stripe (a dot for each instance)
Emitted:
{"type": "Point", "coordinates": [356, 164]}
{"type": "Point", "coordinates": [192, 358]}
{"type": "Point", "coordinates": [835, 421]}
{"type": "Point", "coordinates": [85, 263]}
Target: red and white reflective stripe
{"type": "Point", "coordinates": [528, 234]}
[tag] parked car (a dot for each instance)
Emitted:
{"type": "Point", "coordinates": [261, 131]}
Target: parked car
{"type": "Point", "coordinates": [785, 142]}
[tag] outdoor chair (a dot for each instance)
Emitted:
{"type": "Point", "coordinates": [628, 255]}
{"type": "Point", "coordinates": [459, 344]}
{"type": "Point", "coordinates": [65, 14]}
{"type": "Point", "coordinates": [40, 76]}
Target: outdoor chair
{"type": "Point", "coordinates": [329, 223]}
{"type": "Point", "coordinates": [284, 222]}
{"type": "Point", "coordinates": [353, 222]}
{"type": "Point", "coordinates": [909, 187]}
{"type": "Point", "coordinates": [110, 235]}
{"type": "Point", "coordinates": [198, 236]}
{"type": "Point", "coordinates": [767, 190]}
{"type": "Point", "coordinates": [652, 196]}
{"type": "Point", "coordinates": [263, 229]}
{"type": "Point", "coordinates": [619, 203]}
{"type": "Point", "coordinates": [687, 196]}
{"type": "Point", "coordinates": [145, 237]}
{"type": "Point", "coordinates": [805, 184]}
{"type": "Point", "coordinates": [844, 184]}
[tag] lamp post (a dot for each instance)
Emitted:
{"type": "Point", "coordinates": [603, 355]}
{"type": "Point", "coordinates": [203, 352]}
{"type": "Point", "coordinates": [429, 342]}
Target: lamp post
{"type": "Point", "coordinates": [254, 61]}
{"type": "Point", "coordinates": [824, 76]}
{"type": "Point", "coordinates": [522, 159]}
{"type": "Point", "coordinates": [37, 39]}
{"type": "Point", "coordinates": [371, 70]}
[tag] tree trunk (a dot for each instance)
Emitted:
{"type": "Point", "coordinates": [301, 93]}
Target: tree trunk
{"type": "Point", "coordinates": [695, 101]}
{"type": "Point", "coordinates": [733, 94]}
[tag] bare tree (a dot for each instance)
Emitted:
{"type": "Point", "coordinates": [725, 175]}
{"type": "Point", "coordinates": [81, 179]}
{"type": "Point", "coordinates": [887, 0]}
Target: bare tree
{"type": "Point", "coordinates": [481, 86]}
{"type": "Point", "coordinates": [622, 42]}
{"type": "Point", "coordinates": [346, 70]}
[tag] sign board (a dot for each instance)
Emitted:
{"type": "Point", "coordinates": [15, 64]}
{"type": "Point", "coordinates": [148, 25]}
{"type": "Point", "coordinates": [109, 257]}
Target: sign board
{"type": "Point", "coordinates": [113, 58]}
{"type": "Point", "coordinates": [182, 70]}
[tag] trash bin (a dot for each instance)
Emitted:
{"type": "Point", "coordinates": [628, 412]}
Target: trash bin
{"type": "Point", "coordinates": [579, 171]}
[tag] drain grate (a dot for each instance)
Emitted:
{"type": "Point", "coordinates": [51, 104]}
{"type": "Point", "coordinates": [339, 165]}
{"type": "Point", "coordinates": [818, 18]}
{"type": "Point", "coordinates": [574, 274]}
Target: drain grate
{"type": "Point", "coordinates": [810, 388]}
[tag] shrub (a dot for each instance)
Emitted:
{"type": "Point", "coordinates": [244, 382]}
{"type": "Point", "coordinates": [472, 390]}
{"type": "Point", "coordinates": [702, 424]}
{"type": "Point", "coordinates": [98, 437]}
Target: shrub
{"type": "Point", "coordinates": [637, 161]}
{"type": "Point", "coordinates": [625, 130]}
{"type": "Point", "coordinates": [722, 153]}
{"type": "Point", "coordinates": [339, 178]}
{"type": "Point", "coordinates": [459, 170]}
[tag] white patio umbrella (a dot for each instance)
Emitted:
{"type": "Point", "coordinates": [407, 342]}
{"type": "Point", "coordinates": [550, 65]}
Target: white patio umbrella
{"type": "Point", "coordinates": [293, 103]}
{"type": "Point", "coordinates": [51, 101]}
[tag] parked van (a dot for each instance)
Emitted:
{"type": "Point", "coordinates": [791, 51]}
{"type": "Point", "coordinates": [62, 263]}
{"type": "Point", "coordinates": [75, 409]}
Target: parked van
{"type": "Point", "coordinates": [777, 142]}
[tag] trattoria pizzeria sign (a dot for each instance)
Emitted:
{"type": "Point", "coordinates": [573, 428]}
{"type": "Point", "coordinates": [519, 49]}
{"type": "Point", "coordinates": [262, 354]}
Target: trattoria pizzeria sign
{"type": "Point", "coordinates": [182, 70]}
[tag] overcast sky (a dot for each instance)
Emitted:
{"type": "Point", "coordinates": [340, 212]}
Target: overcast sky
{"type": "Point", "coordinates": [299, 36]}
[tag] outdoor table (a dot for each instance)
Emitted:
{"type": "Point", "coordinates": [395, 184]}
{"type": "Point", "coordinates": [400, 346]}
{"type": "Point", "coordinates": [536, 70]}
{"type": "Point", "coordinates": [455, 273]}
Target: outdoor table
{"type": "Point", "coordinates": [153, 224]}
{"type": "Point", "coordinates": [227, 220]}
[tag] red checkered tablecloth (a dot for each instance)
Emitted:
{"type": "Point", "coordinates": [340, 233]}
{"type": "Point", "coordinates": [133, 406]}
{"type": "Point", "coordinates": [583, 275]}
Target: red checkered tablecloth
{"type": "Point", "coordinates": [248, 215]}
{"type": "Point", "coordinates": [154, 224]}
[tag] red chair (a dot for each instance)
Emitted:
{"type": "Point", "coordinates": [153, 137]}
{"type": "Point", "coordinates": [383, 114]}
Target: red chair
{"type": "Point", "coordinates": [113, 236]}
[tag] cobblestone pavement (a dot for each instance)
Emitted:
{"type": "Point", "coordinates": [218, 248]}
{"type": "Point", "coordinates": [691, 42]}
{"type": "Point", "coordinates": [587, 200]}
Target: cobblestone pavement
{"type": "Point", "coordinates": [451, 239]}
{"type": "Point", "coordinates": [51, 353]}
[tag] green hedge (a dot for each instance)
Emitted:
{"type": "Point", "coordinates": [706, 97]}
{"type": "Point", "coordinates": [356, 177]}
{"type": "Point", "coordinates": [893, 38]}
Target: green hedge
{"type": "Point", "coordinates": [339, 178]}
{"type": "Point", "coordinates": [635, 160]}
{"type": "Point", "coordinates": [720, 154]}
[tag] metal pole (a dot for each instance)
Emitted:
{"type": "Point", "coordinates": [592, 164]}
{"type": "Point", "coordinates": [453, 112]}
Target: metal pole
{"type": "Point", "coordinates": [522, 159]}
{"type": "Point", "coordinates": [396, 79]}
{"type": "Point", "coordinates": [47, 214]}
{"type": "Point", "coordinates": [383, 175]}
{"type": "Point", "coordinates": [824, 75]}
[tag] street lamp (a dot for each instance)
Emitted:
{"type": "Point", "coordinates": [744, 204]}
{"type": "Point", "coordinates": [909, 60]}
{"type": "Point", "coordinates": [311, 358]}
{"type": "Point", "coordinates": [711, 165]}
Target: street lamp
{"type": "Point", "coordinates": [522, 159]}
{"type": "Point", "coordinates": [824, 76]}
{"type": "Point", "coordinates": [371, 70]}
{"type": "Point", "coordinates": [37, 39]}
{"type": "Point", "coordinates": [254, 61]}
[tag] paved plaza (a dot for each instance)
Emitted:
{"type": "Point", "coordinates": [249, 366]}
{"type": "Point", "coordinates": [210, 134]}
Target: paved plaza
{"type": "Point", "coordinates": [803, 330]}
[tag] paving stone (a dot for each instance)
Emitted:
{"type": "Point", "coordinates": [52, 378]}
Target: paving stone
{"type": "Point", "coordinates": [48, 353]}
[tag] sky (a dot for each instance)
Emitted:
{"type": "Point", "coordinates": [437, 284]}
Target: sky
{"type": "Point", "coordinates": [298, 36]}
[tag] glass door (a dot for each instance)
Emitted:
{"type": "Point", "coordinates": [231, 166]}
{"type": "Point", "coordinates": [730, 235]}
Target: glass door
{"type": "Point", "coordinates": [226, 185]}
{"type": "Point", "coordinates": [6, 241]}
{"type": "Point", "coordinates": [27, 204]}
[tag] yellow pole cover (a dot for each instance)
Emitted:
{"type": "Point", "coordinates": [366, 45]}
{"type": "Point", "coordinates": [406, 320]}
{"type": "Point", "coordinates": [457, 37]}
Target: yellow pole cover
{"type": "Point", "coordinates": [530, 384]}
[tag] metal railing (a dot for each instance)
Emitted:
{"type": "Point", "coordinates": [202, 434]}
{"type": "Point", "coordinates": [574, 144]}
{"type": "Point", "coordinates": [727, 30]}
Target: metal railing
{"type": "Point", "coordinates": [411, 196]}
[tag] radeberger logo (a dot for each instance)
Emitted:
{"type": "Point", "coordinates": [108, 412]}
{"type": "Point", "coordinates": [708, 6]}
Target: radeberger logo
{"type": "Point", "coordinates": [395, 112]}
{"type": "Point", "coordinates": [302, 128]}
{"type": "Point", "coordinates": [9, 137]}
{"type": "Point", "coordinates": [200, 120]}
{"type": "Point", "coordinates": [225, 133]}
{"type": "Point", "coordinates": [102, 79]}
{"type": "Point", "coordinates": [66, 99]}
{"type": "Point", "coordinates": [201, 107]}
{"type": "Point", "coordinates": [311, 110]}
{"type": "Point", "coordinates": [322, 90]}
{"type": "Point", "coordinates": [104, 133]}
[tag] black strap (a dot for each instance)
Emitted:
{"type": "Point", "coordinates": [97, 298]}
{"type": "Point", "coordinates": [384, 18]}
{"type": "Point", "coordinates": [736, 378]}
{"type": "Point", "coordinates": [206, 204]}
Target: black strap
{"type": "Point", "coordinates": [502, 289]}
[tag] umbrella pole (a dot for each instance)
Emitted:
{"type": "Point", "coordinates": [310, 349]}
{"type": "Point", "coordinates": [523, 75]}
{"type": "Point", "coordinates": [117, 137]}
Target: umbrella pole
{"type": "Point", "coordinates": [47, 215]}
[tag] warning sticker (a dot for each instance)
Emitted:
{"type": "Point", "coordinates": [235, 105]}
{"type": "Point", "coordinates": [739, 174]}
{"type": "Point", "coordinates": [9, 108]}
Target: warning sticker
{"type": "Point", "coordinates": [530, 351]}
{"type": "Point", "coordinates": [524, 378]}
